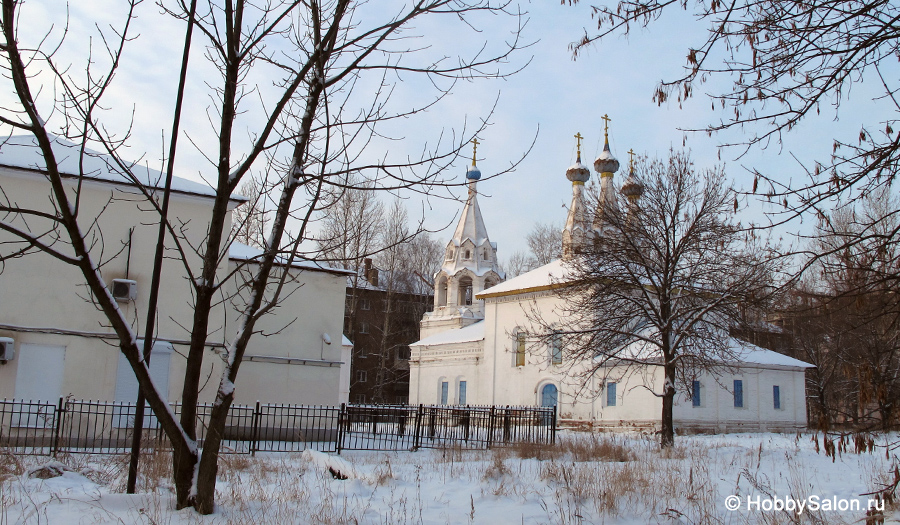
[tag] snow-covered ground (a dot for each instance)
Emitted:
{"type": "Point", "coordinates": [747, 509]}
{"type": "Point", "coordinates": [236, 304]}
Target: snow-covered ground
{"type": "Point", "coordinates": [585, 478]}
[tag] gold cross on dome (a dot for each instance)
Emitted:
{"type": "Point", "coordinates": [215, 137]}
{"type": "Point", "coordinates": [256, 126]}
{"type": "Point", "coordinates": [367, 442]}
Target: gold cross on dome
{"type": "Point", "coordinates": [579, 137]}
{"type": "Point", "coordinates": [475, 144]}
{"type": "Point", "coordinates": [606, 120]}
{"type": "Point", "coordinates": [631, 161]}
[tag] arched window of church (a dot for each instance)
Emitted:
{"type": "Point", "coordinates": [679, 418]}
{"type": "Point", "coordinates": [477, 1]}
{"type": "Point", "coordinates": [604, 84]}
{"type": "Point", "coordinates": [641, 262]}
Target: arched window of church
{"type": "Point", "coordinates": [442, 292]}
{"type": "Point", "coordinates": [449, 254]}
{"type": "Point", "coordinates": [520, 348]}
{"type": "Point", "coordinates": [556, 355]}
{"type": "Point", "coordinates": [444, 391]}
{"type": "Point", "coordinates": [465, 291]}
{"type": "Point", "coordinates": [487, 255]}
{"type": "Point", "coordinates": [468, 254]}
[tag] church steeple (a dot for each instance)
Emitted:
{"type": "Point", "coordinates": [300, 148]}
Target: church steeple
{"type": "Point", "coordinates": [576, 229]}
{"type": "Point", "coordinates": [606, 165]}
{"type": "Point", "coordinates": [470, 266]}
{"type": "Point", "coordinates": [470, 248]}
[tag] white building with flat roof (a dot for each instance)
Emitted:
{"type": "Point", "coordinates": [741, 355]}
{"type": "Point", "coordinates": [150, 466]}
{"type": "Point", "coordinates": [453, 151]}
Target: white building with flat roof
{"type": "Point", "coordinates": [62, 345]}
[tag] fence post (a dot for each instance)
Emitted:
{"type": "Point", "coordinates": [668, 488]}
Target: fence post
{"type": "Point", "coordinates": [490, 437]}
{"type": "Point", "coordinates": [553, 427]}
{"type": "Point", "coordinates": [60, 413]}
{"type": "Point", "coordinates": [417, 431]}
{"type": "Point", "coordinates": [467, 417]}
{"type": "Point", "coordinates": [254, 430]}
{"type": "Point", "coordinates": [506, 424]}
{"type": "Point", "coordinates": [339, 436]}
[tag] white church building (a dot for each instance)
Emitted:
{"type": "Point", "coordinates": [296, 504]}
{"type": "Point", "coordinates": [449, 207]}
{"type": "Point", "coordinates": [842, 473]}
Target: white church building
{"type": "Point", "coordinates": [479, 347]}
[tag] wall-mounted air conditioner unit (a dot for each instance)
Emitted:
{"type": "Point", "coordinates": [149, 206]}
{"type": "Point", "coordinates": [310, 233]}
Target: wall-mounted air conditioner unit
{"type": "Point", "coordinates": [7, 349]}
{"type": "Point", "coordinates": [124, 290]}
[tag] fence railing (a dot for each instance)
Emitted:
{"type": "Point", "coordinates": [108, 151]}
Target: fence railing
{"type": "Point", "coordinates": [100, 427]}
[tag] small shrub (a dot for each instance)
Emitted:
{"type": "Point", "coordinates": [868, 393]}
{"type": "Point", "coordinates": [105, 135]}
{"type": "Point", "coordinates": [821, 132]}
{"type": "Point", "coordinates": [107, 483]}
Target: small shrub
{"type": "Point", "coordinates": [535, 451]}
{"type": "Point", "coordinates": [10, 465]}
{"type": "Point", "coordinates": [598, 448]}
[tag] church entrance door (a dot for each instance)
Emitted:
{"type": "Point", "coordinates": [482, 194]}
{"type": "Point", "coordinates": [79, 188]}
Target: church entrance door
{"type": "Point", "coordinates": [549, 395]}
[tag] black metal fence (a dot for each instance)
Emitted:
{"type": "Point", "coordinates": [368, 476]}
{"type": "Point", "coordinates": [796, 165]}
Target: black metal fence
{"type": "Point", "coordinates": [99, 427]}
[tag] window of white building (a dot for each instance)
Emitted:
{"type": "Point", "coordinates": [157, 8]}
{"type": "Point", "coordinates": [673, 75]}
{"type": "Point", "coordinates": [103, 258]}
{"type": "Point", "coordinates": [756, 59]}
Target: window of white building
{"type": "Point", "coordinates": [520, 349]}
{"type": "Point", "coordinates": [738, 393]}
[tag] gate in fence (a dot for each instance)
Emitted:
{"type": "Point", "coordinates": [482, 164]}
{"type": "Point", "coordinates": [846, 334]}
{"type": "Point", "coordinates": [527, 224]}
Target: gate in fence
{"type": "Point", "coordinates": [75, 426]}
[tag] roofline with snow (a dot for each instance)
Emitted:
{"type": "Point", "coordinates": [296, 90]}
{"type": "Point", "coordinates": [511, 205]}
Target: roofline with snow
{"type": "Point", "coordinates": [236, 199]}
{"type": "Point", "coordinates": [543, 288]}
{"type": "Point", "coordinates": [335, 271]}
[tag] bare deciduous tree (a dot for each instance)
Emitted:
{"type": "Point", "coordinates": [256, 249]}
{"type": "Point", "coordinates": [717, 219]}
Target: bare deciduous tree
{"type": "Point", "coordinates": [248, 221]}
{"type": "Point", "coordinates": [544, 246]}
{"type": "Point", "coordinates": [847, 323]}
{"type": "Point", "coordinates": [664, 286]}
{"type": "Point", "coordinates": [545, 243]}
{"type": "Point", "coordinates": [311, 126]}
{"type": "Point", "coordinates": [782, 62]}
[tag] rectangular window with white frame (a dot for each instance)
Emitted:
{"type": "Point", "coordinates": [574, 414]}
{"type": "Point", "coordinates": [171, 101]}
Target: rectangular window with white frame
{"type": "Point", "coordinates": [462, 393]}
{"type": "Point", "coordinates": [556, 348]}
{"type": "Point", "coordinates": [738, 393]}
{"type": "Point", "coordinates": [695, 393]}
{"type": "Point", "coordinates": [361, 376]}
{"type": "Point", "coordinates": [776, 397]}
{"type": "Point", "coordinates": [445, 392]}
{"type": "Point", "coordinates": [520, 349]}
{"type": "Point", "coordinates": [611, 394]}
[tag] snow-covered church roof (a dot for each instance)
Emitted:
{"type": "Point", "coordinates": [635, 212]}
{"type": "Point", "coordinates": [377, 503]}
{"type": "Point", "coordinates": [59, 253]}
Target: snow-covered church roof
{"type": "Point", "coordinates": [471, 333]}
{"type": "Point", "coordinates": [546, 277]}
{"type": "Point", "coordinates": [471, 224]}
{"type": "Point", "coordinates": [738, 353]}
{"type": "Point", "coordinates": [22, 151]}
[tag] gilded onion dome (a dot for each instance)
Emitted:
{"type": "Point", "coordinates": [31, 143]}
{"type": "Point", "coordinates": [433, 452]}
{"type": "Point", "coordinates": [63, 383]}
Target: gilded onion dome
{"type": "Point", "coordinates": [632, 188]}
{"type": "Point", "coordinates": [605, 162]}
{"type": "Point", "coordinates": [578, 172]}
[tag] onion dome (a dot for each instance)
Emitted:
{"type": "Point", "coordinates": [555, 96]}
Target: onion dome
{"type": "Point", "coordinates": [578, 173]}
{"type": "Point", "coordinates": [605, 162]}
{"type": "Point", "coordinates": [632, 188]}
{"type": "Point", "coordinates": [473, 173]}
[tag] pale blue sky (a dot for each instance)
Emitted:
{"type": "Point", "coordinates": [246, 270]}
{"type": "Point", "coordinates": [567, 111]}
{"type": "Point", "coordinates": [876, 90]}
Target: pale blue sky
{"type": "Point", "coordinates": [554, 93]}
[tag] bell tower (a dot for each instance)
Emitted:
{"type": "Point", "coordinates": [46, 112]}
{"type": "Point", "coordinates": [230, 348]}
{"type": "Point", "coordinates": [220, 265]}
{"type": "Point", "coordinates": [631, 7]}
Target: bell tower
{"type": "Point", "coordinates": [469, 267]}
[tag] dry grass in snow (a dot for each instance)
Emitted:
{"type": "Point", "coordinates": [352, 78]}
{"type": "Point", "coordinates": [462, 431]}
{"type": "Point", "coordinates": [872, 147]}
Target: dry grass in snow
{"type": "Point", "coordinates": [585, 478]}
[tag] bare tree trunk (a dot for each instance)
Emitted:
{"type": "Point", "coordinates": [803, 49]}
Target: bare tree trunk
{"type": "Point", "coordinates": [667, 432]}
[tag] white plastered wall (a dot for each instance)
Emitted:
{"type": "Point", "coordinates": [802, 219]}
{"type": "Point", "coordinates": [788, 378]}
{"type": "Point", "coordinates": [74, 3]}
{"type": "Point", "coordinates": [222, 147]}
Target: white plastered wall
{"type": "Point", "coordinates": [43, 295]}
